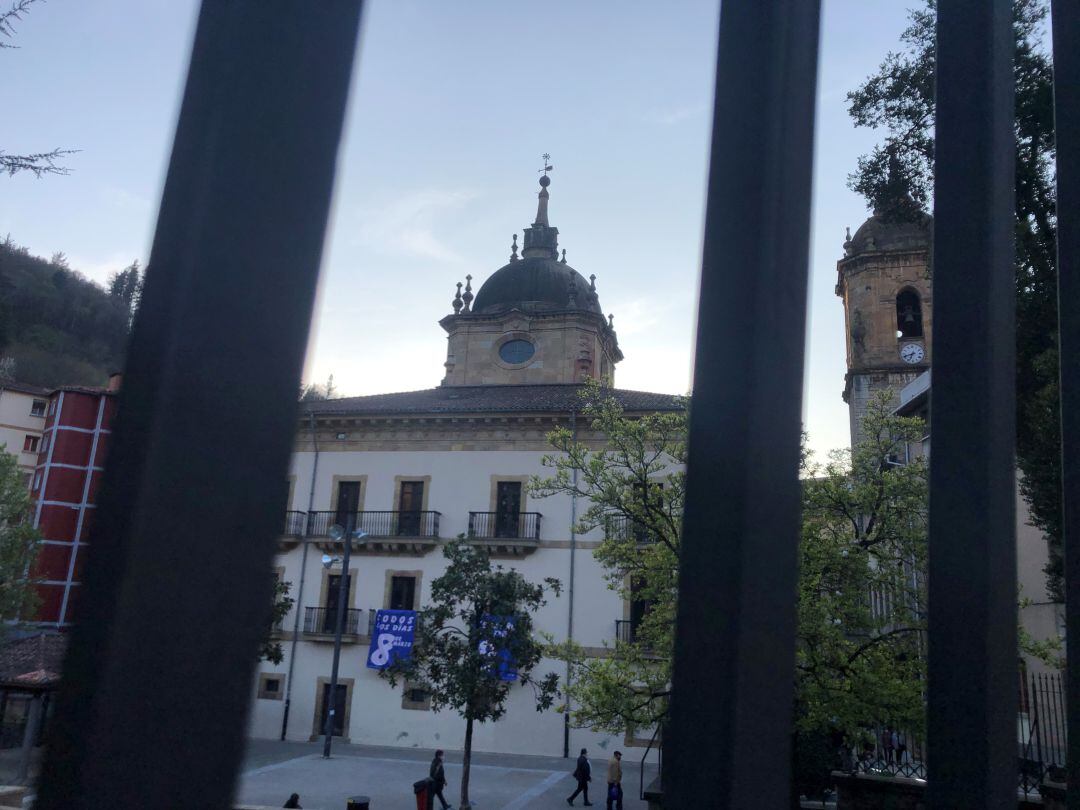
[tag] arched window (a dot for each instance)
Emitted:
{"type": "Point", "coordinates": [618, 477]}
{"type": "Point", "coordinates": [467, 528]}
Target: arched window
{"type": "Point", "coordinates": [908, 314]}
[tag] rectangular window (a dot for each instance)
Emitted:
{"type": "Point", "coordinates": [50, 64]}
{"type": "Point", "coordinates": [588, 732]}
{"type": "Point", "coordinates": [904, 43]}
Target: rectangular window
{"type": "Point", "coordinates": [415, 697]}
{"type": "Point", "coordinates": [37, 407]}
{"type": "Point", "coordinates": [270, 687]}
{"type": "Point", "coordinates": [402, 593]}
{"type": "Point", "coordinates": [508, 509]}
{"type": "Point", "coordinates": [30, 444]}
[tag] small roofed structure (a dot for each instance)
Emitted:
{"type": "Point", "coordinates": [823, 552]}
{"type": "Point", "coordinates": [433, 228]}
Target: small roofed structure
{"type": "Point", "coordinates": [30, 670]}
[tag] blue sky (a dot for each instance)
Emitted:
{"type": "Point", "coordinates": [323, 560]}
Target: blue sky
{"type": "Point", "coordinates": [452, 106]}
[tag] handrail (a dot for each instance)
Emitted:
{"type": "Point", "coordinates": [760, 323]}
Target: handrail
{"type": "Point", "coordinates": [659, 761]}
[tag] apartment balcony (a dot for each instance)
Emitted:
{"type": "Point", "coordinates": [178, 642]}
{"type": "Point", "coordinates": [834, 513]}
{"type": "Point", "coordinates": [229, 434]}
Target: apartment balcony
{"type": "Point", "coordinates": [320, 624]}
{"type": "Point", "coordinates": [407, 533]}
{"type": "Point", "coordinates": [621, 528]}
{"type": "Point", "coordinates": [293, 530]}
{"type": "Point", "coordinates": [505, 534]}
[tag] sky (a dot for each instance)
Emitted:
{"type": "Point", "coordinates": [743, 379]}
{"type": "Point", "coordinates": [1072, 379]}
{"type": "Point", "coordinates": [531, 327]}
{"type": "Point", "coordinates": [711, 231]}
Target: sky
{"type": "Point", "coordinates": [452, 105]}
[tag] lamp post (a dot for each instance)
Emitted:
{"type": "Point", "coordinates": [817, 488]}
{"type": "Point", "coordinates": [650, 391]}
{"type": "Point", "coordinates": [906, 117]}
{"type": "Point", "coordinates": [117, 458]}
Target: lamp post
{"type": "Point", "coordinates": [348, 534]}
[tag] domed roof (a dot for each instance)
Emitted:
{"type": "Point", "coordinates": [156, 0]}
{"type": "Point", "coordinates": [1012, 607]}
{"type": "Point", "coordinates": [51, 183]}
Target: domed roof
{"type": "Point", "coordinates": [880, 233]}
{"type": "Point", "coordinates": [535, 284]}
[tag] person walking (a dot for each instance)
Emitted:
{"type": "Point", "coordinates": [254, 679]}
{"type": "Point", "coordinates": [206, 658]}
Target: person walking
{"type": "Point", "coordinates": [438, 779]}
{"type": "Point", "coordinates": [583, 774]}
{"type": "Point", "coordinates": [614, 782]}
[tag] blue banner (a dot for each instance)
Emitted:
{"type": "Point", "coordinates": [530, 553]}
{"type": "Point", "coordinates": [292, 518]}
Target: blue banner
{"type": "Point", "coordinates": [391, 638]}
{"type": "Point", "coordinates": [502, 664]}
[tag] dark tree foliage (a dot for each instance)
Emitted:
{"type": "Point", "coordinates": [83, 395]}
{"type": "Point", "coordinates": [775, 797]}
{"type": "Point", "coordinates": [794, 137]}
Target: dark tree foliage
{"type": "Point", "coordinates": [896, 179]}
{"type": "Point", "coordinates": [270, 649]}
{"type": "Point", "coordinates": [38, 163]}
{"type": "Point", "coordinates": [59, 327]}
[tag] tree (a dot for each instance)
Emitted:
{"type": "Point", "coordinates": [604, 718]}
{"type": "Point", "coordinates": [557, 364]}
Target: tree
{"type": "Point", "coordinates": [125, 287]}
{"type": "Point", "coordinates": [896, 179]}
{"type": "Point", "coordinates": [270, 649]}
{"type": "Point", "coordinates": [476, 630]}
{"type": "Point", "coordinates": [19, 542]}
{"type": "Point", "coordinates": [863, 533]}
{"type": "Point", "coordinates": [38, 163]}
{"type": "Point", "coordinates": [630, 473]}
{"type": "Point", "coordinates": [316, 392]}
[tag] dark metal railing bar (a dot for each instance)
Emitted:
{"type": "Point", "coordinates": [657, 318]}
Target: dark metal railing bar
{"type": "Point", "coordinates": [499, 525]}
{"type": "Point", "coordinates": [320, 621]}
{"type": "Point", "coordinates": [1065, 15]}
{"type": "Point", "coordinates": [972, 661]}
{"type": "Point", "coordinates": [734, 664]}
{"type": "Point", "coordinates": [206, 417]}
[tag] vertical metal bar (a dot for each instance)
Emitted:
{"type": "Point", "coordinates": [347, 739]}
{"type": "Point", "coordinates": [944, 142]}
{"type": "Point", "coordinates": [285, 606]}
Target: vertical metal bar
{"type": "Point", "coordinates": [1066, 36]}
{"type": "Point", "coordinates": [972, 668]}
{"type": "Point", "coordinates": [735, 643]}
{"type": "Point", "coordinates": [170, 619]}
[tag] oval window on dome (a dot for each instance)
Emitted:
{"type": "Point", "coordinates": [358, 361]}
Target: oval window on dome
{"type": "Point", "coordinates": [516, 351]}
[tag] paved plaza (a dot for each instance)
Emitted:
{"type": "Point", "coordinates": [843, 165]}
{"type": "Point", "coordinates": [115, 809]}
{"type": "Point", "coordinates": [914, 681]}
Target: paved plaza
{"type": "Point", "coordinates": [273, 770]}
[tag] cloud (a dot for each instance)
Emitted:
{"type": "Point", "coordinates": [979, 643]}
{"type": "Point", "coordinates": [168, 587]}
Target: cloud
{"type": "Point", "coordinates": [124, 199]}
{"type": "Point", "coordinates": [674, 115]}
{"type": "Point", "coordinates": [410, 225]}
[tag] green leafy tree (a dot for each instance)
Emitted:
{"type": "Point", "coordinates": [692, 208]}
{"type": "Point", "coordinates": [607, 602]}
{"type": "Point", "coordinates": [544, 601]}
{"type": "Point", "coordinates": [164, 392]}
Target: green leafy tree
{"type": "Point", "coordinates": [315, 392]}
{"type": "Point", "coordinates": [860, 591]}
{"type": "Point", "coordinates": [629, 472]}
{"type": "Point", "coordinates": [896, 179]}
{"type": "Point", "coordinates": [19, 542]}
{"type": "Point", "coordinates": [125, 287]}
{"type": "Point", "coordinates": [477, 611]}
{"type": "Point", "coordinates": [862, 584]}
{"type": "Point", "coordinates": [270, 648]}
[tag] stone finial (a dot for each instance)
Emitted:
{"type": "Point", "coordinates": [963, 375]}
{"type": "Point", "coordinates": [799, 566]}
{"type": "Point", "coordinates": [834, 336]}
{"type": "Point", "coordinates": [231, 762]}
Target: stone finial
{"type": "Point", "coordinates": [564, 255]}
{"type": "Point", "coordinates": [571, 290]}
{"type": "Point", "coordinates": [592, 282]}
{"type": "Point", "coordinates": [848, 245]}
{"type": "Point", "coordinates": [458, 303]}
{"type": "Point", "coordinates": [513, 250]}
{"type": "Point", "coordinates": [611, 321]}
{"type": "Point", "coordinates": [468, 296]}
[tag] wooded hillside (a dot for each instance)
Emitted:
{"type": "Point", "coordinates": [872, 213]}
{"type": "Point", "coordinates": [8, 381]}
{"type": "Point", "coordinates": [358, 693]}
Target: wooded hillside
{"type": "Point", "coordinates": [56, 326]}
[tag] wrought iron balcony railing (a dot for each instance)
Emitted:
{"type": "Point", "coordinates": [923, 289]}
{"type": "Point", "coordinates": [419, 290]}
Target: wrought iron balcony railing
{"type": "Point", "coordinates": [625, 631]}
{"type": "Point", "coordinates": [378, 524]}
{"type": "Point", "coordinates": [322, 621]}
{"type": "Point", "coordinates": [295, 523]}
{"type": "Point", "coordinates": [622, 528]}
{"type": "Point", "coordinates": [508, 525]}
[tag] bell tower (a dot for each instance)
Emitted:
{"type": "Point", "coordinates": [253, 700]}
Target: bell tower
{"type": "Point", "coordinates": [884, 282]}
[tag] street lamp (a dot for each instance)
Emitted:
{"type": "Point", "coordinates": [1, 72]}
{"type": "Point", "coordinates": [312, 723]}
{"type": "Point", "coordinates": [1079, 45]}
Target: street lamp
{"type": "Point", "coordinates": [337, 534]}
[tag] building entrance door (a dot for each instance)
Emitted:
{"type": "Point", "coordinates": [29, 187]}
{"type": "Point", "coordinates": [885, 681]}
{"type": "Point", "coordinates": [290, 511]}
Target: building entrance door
{"type": "Point", "coordinates": [339, 709]}
{"type": "Point", "coordinates": [410, 504]}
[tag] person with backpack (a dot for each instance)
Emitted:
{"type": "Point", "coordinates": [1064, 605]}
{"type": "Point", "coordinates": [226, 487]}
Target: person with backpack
{"type": "Point", "coordinates": [583, 775]}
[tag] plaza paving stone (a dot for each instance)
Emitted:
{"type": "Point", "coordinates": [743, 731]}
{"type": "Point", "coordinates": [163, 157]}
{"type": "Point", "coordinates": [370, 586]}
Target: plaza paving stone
{"type": "Point", "coordinates": [273, 770]}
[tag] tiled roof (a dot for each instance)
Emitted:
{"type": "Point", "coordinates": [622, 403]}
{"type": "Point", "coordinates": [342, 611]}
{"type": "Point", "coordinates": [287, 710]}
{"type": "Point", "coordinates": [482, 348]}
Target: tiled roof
{"type": "Point", "coordinates": [560, 398]}
{"type": "Point", "coordinates": [23, 388]}
{"type": "Point", "coordinates": [33, 661]}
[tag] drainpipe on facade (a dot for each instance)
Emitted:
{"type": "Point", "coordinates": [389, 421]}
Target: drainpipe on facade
{"type": "Point", "coordinates": [570, 618]}
{"type": "Point", "coordinates": [303, 572]}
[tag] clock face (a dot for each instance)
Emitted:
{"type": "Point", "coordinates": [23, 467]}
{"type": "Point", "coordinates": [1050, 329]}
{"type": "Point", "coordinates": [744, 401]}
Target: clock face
{"type": "Point", "coordinates": [912, 353]}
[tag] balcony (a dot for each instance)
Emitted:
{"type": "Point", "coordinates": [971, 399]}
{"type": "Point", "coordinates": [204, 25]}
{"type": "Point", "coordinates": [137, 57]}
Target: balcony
{"type": "Point", "coordinates": [320, 624]}
{"type": "Point", "coordinates": [622, 528]}
{"type": "Point", "coordinates": [293, 529]}
{"type": "Point", "coordinates": [625, 632]}
{"type": "Point", "coordinates": [504, 534]}
{"type": "Point", "coordinates": [412, 533]}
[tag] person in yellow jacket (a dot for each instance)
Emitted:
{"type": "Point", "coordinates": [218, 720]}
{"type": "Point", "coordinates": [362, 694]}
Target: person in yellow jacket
{"type": "Point", "coordinates": [614, 782]}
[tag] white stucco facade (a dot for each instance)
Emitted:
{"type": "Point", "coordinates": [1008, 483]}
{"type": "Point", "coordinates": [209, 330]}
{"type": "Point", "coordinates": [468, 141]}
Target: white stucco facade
{"type": "Point", "coordinates": [22, 420]}
{"type": "Point", "coordinates": [459, 481]}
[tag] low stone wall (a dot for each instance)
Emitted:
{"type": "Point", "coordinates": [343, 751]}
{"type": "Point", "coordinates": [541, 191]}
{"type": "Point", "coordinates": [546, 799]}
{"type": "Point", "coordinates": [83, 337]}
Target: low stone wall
{"type": "Point", "coordinates": [865, 791]}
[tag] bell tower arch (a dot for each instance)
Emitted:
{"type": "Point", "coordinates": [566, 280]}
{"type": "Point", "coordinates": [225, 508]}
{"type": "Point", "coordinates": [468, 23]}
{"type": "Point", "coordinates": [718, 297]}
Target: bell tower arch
{"type": "Point", "coordinates": [883, 280]}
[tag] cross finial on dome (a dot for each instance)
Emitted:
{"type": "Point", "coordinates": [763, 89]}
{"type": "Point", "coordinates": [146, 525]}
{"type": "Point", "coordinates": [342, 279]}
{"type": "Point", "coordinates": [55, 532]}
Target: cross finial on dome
{"type": "Point", "coordinates": [547, 166]}
{"type": "Point", "coordinates": [513, 250]}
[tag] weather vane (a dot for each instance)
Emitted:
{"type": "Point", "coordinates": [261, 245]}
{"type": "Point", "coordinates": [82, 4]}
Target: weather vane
{"type": "Point", "coordinates": [547, 168]}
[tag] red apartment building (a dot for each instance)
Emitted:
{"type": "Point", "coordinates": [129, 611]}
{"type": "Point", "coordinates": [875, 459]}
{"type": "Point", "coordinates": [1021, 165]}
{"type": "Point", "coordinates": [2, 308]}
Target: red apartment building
{"type": "Point", "coordinates": [64, 488]}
